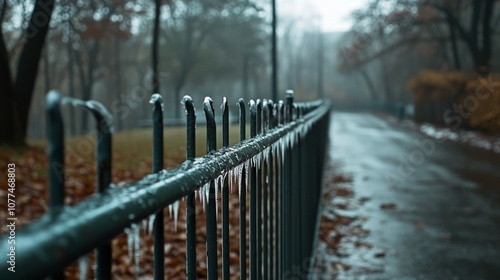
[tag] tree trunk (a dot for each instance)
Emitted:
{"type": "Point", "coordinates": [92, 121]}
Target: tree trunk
{"type": "Point", "coordinates": [454, 47]}
{"type": "Point", "coordinates": [27, 66]}
{"type": "Point", "coordinates": [8, 111]}
{"type": "Point", "coordinates": [46, 69]}
{"type": "Point", "coordinates": [71, 89]}
{"type": "Point", "coordinates": [487, 33]}
{"type": "Point", "coordinates": [84, 122]}
{"type": "Point", "coordinates": [369, 84]}
{"type": "Point", "coordinates": [385, 80]}
{"type": "Point", "coordinates": [118, 80]}
{"type": "Point", "coordinates": [385, 77]}
{"type": "Point", "coordinates": [87, 79]}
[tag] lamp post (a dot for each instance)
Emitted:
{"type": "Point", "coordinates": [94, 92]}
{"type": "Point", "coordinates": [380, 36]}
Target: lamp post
{"type": "Point", "coordinates": [321, 93]}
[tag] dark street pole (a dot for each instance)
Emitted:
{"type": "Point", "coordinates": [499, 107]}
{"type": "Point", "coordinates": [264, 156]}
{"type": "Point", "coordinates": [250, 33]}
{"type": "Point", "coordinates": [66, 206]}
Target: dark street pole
{"type": "Point", "coordinates": [321, 93]}
{"type": "Point", "coordinates": [155, 55]}
{"type": "Point", "coordinates": [274, 57]}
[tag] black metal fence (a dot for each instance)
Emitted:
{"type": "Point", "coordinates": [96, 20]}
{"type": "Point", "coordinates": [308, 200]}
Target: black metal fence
{"type": "Point", "coordinates": [281, 165]}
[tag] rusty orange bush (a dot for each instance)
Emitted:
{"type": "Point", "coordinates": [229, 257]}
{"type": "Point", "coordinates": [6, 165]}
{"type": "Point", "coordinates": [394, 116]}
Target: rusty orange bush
{"type": "Point", "coordinates": [436, 93]}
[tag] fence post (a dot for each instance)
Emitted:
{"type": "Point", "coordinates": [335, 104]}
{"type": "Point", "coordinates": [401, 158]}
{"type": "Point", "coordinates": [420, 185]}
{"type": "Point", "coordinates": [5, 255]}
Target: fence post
{"type": "Point", "coordinates": [211, 218]}
{"type": "Point", "coordinates": [259, 195]}
{"type": "Point", "coordinates": [190, 204]}
{"type": "Point", "coordinates": [270, 188]}
{"type": "Point", "coordinates": [55, 132]}
{"type": "Point", "coordinates": [158, 227]}
{"type": "Point", "coordinates": [253, 197]}
{"type": "Point", "coordinates": [225, 195]}
{"type": "Point", "coordinates": [265, 183]}
{"type": "Point", "coordinates": [289, 233]}
{"type": "Point", "coordinates": [103, 174]}
{"type": "Point", "coordinates": [243, 197]}
{"type": "Point", "coordinates": [281, 198]}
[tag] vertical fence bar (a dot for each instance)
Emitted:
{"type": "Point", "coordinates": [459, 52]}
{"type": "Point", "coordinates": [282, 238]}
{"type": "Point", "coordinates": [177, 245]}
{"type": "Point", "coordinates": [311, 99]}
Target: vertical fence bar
{"type": "Point", "coordinates": [225, 195]}
{"type": "Point", "coordinates": [281, 164]}
{"type": "Point", "coordinates": [295, 192]}
{"type": "Point", "coordinates": [301, 144]}
{"type": "Point", "coordinates": [284, 204]}
{"type": "Point", "coordinates": [55, 132]}
{"type": "Point", "coordinates": [103, 174]}
{"type": "Point", "coordinates": [271, 176]}
{"type": "Point", "coordinates": [158, 227]}
{"type": "Point", "coordinates": [243, 198]}
{"type": "Point", "coordinates": [277, 189]}
{"type": "Point", "coordinates": [265, 183]}
{"type": "Point", "coordinates": [211, 218]}
{"type": "Point", "coordinates": [253, 197]}
{"type": "Point", "coordinates": [281, 108]}
{"type": "Point", "coordinates": [276, 171]}
{"type": "Point", "coordinates": [289, 234]}
{"type": "Point", "coordinates": [305, 197]}
{"type": "Point", "coordinates": [296, 197]}
{"type": "Point", "coordinates": [259, 195]}
{"type": "Point", "coordinates": [190, 203]}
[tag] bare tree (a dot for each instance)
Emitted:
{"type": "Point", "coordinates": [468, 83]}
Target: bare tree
{"type": "Point", "coordinates": [17, 90]}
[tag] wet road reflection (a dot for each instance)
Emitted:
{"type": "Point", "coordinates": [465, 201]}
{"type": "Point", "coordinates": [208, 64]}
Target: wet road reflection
{"type": "Point", "coordinates": [446, 220]}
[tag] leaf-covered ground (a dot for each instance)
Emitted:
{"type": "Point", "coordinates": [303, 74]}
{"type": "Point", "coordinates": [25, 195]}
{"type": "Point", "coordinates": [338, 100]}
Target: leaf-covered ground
{"type": "Point", "coordinates": [341, 231]}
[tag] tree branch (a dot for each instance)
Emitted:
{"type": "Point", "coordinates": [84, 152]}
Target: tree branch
{"type": "Point", "coordinates": [3, 11]}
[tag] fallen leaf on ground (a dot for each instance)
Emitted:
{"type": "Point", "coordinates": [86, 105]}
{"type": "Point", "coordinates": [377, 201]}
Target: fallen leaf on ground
{"type": "Point", "coordinates": [388, 206]}
{"type": "Point", "coordinates": [379, 254]}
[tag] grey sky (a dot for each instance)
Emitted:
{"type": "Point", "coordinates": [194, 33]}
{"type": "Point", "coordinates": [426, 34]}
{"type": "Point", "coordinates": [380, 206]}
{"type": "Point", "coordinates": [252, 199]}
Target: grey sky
{"type": "Point", "coordinates": [333, 14]}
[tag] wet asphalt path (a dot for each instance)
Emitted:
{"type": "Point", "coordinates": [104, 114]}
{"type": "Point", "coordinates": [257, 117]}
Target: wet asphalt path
{"type": "Point", "coordinates": [446, 220]}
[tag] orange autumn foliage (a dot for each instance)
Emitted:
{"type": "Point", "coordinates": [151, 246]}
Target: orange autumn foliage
{"type": "Point", "coordinates": [438, 95]}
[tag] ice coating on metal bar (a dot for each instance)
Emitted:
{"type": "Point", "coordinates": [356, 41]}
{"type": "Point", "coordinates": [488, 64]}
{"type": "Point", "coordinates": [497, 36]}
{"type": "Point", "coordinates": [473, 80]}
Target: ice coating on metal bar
{"type": "Point", "coordinates": [208, 100]}
{"type": "Point", "coordinates": [248, 163]}
{"type": "Point", "coordinates": [216, 185]}
{"type": "Point", "coordinates": [176, 213]}
{"type": "Point", "coordinates": [83, 264]}
{"type": "Point", "coordinates": [151, 220]}
{"type": "Point", "coordinates": [144, 225]}
{"type": "Point", "coordinates": [257, 160]}
{"type": "Point", "coordinates": [223, 105]}
{"type": "Point", "coordinates": [187, 100]}
{"type": "Point", "coordinates": [137, 249]}
{"type": "Point", "coordinates": [130, 243]}
{"type": "Point", "coordinates": [267, 152]}
{"type": "Point", "coordinates": [230, 180]}
{"type": "Point", "coordinates": [283, 147]}
{"type": "Point", "coordinates": [72, 101]}
{"type": "Point", "coordinates": [98, 108]}
{"type": "Point", "coordinates": [156, 97]}
{"type": "Point", "coordinates": [204, 193]}
{"type": "Point", "coordinates": [207, 192]}
{"type": "Point", "coordinates": [239, 176]}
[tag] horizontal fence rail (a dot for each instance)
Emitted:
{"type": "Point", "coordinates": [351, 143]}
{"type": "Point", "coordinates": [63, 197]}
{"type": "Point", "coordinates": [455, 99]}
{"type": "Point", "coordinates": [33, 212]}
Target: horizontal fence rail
{"type": "Point", "coordinates": [280, 168]}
